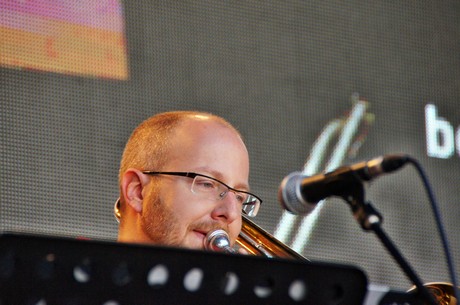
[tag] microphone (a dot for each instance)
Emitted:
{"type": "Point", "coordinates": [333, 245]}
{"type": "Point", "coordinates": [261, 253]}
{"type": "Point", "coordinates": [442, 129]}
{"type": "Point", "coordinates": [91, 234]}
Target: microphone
{"type": "Point", "coordinates": [218, 241]}
{"type": "Point", "coordinates": [299, 193]}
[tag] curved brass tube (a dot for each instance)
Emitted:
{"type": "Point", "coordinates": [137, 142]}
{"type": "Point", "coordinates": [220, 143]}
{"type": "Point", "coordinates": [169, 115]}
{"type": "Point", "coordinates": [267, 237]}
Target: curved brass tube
{"type": "Point", "coordinates": [442, 292]}
{"type": "Point", "coordinates": [259, 242]}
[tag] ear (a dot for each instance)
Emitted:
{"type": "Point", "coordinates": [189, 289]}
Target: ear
{"type": "Point", "coordinates": [132, 184]}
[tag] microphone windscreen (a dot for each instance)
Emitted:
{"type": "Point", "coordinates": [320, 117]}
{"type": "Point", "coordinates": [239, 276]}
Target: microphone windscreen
{"type": "Point", "coordinates": [290, 195]}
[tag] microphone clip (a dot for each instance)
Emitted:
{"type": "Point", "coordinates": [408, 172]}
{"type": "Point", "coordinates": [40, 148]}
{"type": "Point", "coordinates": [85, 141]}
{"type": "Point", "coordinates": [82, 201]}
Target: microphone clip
{"type": "Point", "coordinates": [363, 211]}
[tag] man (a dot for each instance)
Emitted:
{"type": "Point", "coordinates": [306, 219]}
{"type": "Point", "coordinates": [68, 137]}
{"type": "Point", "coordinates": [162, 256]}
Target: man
{"type": "Point", "coordinates": [182, 175]}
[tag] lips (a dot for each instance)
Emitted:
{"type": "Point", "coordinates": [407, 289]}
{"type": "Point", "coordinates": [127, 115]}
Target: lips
{"type": "Point", "coordinates": [200, 235]}
{"type": "Point", "coordinates": [200, 232]}
{"type": "Point", "coordinates": [205, 231]}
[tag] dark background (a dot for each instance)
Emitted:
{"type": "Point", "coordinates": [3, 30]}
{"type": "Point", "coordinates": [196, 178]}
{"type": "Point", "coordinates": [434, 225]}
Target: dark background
{"type": "Point", "coordinates": [279, 71]}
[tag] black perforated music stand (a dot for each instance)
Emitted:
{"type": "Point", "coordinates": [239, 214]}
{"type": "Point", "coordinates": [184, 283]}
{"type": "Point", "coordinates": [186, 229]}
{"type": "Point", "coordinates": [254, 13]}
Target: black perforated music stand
{"type": "Point", "coordinates": [50, 270]}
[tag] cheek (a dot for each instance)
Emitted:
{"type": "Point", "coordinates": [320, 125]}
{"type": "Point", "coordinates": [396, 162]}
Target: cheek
{"type": "Point", "coordinates": [234, 230]}
{"type": "Point", "coordinates": [188, 209]}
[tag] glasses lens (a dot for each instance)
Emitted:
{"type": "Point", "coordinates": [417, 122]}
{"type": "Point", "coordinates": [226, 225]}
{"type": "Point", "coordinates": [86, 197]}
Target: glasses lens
{"type": "Point", "coordinates": [203, 185]}
{"type": "Point", "coordinates": [215, 190]}
{"type": "Point", "coordinates": [251, 206]}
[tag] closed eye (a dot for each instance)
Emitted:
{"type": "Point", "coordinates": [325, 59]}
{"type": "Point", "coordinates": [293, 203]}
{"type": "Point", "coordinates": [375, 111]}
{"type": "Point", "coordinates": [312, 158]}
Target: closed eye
{"type": "Point", "coordinates": [206, 184]}
{"type": "Point", "coordinates": [241, 197]}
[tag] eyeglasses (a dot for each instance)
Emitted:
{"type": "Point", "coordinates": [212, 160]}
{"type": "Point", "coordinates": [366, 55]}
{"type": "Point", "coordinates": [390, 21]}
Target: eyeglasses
{"type": "Point", "coordinates": [214, 189]}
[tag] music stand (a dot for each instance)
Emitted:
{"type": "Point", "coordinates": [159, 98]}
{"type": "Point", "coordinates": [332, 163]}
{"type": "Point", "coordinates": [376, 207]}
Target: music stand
{"type": "Point", "coordinates": [44, 270]}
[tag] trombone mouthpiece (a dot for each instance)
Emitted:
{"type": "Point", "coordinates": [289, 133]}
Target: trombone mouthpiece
{"type": "Point", "coordinates": [218, 241]}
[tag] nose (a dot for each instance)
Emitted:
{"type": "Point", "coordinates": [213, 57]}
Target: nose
{"type": "Point", "coordinates": [228, 209]}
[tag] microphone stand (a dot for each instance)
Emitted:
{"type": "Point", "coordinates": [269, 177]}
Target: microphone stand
{"type": "Point", "coordinates": [370, 220]}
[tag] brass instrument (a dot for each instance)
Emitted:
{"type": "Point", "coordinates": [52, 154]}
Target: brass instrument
{"type": "Point", "coordinates": [443, 293]}
{"type": "Point", "coordinates": [257, 241]}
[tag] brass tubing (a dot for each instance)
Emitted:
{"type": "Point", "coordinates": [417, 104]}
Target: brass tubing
{"type": "Point", "coordinates": [259, 242]}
